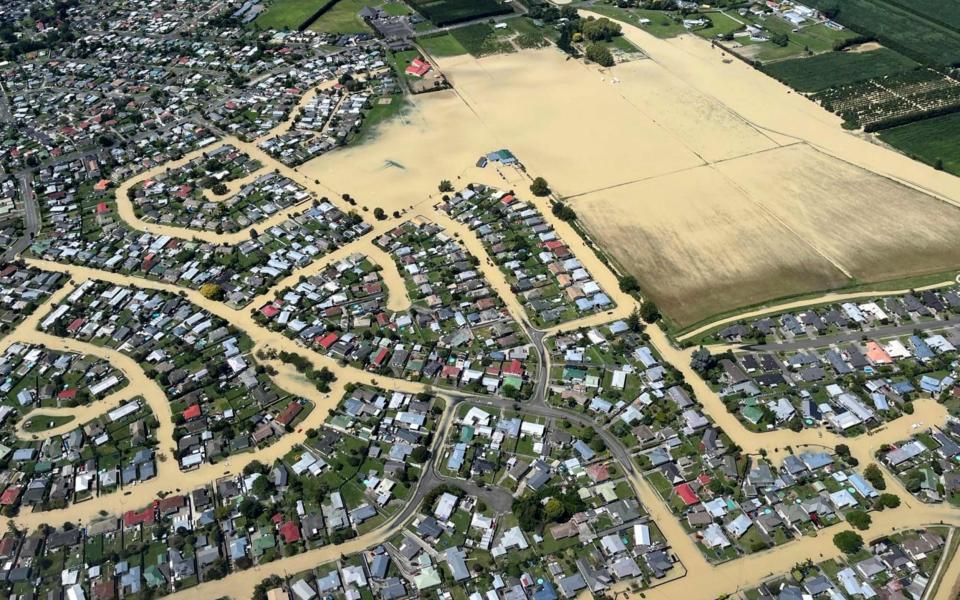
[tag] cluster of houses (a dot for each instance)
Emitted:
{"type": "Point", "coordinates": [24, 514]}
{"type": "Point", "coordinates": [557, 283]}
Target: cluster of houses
{"type": "Point", "coordinates": [848, 386]}
{"type": "Point", "coordinates": [96, 457]}
{"type": "Point", "coordinates": [332, 117]}
{"type": "Point", "coordinates": [221, 404]}
{"type": "Point", "coordinates": [193, 195]}
{"type": "Point", "coordinates": [253, 111]}
{"type": "Point", "coordinates": [848, 317]}
{"type": "Point", "coordinates": [476, 344]}
{"type": "Point", "coordinates": [927, 462]}
{"type": "Point", "coordinates": [341, 312]}
{"type": "Point", "coordinates": [81, 227]}
{"type": "Point", "coordinates": [541, 269]}
{"type": "Point", "coordinates": [899, 567]}
{"type": "Point", "coordinates": [22, 290]}
{"type": "Point", "coordinates": [730, 516]}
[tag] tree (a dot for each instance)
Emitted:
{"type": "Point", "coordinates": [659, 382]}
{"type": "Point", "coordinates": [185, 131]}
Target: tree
{"type": "Point", "coordinates": [888, 501]}
{"type": "Point", "coordinates": [842, 450]}
{"type": "Point", "coordinates": [420, 454]}
{"type": "Point", "coordinates": [211, 291]}
{"type": "Point", "coordinates": [702, 361]}
{"type": "Point", "coordinates": [629, 284]}
{"type": "Point", "coordinates": [875, 476]}
{"type": "Point", "coordinates": [219, 188]}
{"type": "Point", "coordinates": [600, 54]}
{"type": "Point", "coordinates": [379, 214]}
{"type": "Point", "coordinates": [250, 508]}
{"type": "Point", "coordinates": [634, 322]}
{"type": "Point", "coordinates": [539, 187]}
{"type": "Point", "coordinates": [649, 311]}
{"type": "Point", "coordinates": [565, 41]}
{"type": "Point", "coordinates": [849, 542]}
{"type": "Point", "coordinates": [602, 29]}
{"type": "Point", "coordinates": [859, 519]}
{"type": "Point", "coordinates": [446, 186]}
{"type": "Point", "coordinates": [553, 509]}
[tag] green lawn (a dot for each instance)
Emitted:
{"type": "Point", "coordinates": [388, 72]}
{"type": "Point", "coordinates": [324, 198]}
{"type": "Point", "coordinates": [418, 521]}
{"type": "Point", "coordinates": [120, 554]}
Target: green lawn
{"type": "Point", "coordinates": [662, 24]}
{"type": "Point", "coordinates": [816, 38]}
{"type": "Point", "coordinates": [342, 18]}
{"type": "Point", "coordinates": [287, 14]}
{"type": "Point", "coordinates": [441, 45]}
{"type": "Point", "coordinates": [38, 423]}
{"type": "Point", "coordinates": [929, 141]}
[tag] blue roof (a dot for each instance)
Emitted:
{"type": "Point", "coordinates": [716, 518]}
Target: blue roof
{"type": "Point", "coordinates": [920, 347]}
{"type": "Point", "coordinates": [618, 327]}
{"type": "Point", "coordinates": [880, 401]}
{"type": "Point", "coordinates": [902, 387]}
{"type": "Point", "coordinates": [601, 299]}
{"type": "Point", "coordinates": [586, 453]}
{"type": "Point", "coordinates": [546, 592]}
{"type": "Point", "coordinates": [862, 486]}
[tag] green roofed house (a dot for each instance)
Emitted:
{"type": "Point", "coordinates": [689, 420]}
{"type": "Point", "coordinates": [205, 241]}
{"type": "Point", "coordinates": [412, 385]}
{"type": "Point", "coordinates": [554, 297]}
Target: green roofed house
{"type": "Point", "coordinates": [154, 577]}
{"type": "Point", "coordinates": [428, 578]}
{"type": "Point", "coordinates": [265, 541]}
{"type": "Point", "coordinates": [513, 381]}
{"type": "Point", "coordinates": [574, 374]}
{"type": "Point", "coordinates": [752, 413]}
{"type": "Point", "coordinates": [466, 434]}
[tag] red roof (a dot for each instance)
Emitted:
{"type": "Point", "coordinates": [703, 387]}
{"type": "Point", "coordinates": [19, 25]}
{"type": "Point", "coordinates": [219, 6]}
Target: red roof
{"type": "Point", "coordinates": [514, 368]}
{"type": "Point", "coordinates": [289, 413]}
{"type": "Point", "coordinates": [102, 208]}
{"type": "Point", "coordinates": [269, 311]}
{"type": "Point", "coordinates": [381, 356]}
{"type": "Point", "coordinates": [328, 340]}
{"type": "Point", "coordinates": [686, 494]}
{"type": "Point", "coordinates": [75, 324]}
{"type": "Point", "coordinates": [450, 372]}
{"type": "Point", "coordinates": [703, 478]}
{"type": "Point", "coordinates": [290, 532]}
{"type": "Point", "coordinates": [68, 394]}
{"type": "Point", "coordinates": [10, 495]}
{"type": "Point", "coordinates": [172, 503]}
{"type": "Point", "coordinates": [418, 67]}
{"type": "Point", "coordinates": [192, 412]}
{"type": "Point", "coordinates": [507, 199]}
{"type": "Point", "coordinates": [144, 517]}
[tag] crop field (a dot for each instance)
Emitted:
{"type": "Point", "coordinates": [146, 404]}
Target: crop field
{"type": "Point", "coordinates": [880, 100]}
{"type": "Point", "coordinates": [908, 32]}
{"type": "Point", "coordinates": [448, 12]}
{"type": "Point", "coordinates": [947, 13]}
{"type": "Point", "coordinates": [929, 141]}
{"type": "Point", "coordinates": [823, 71]}
{"type": "Point", "coordinates": [770, 225]}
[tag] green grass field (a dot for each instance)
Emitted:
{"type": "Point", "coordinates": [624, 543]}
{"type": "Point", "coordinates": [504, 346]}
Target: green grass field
{"type": "Point", "coordinates": [816, 38]}
{"type": "Point", "coordinates": [343, 17]}
{"type": "Point", "coordinates": [662, 24]}
{"type": "Point", "coordinates": [900, 29]}
{"type": "Point", "coordinates": [43, 422]}
{"type": "Point", "coordinates": [835, 68]}
{"type": "Point", "coordinates": [929, 140]}
{"type": "Point", "coordinates": [441, 45]}
{"type": "Point", "coordinates": [482, 39]}
{"type": "Point", "coordinates": [287, 14]}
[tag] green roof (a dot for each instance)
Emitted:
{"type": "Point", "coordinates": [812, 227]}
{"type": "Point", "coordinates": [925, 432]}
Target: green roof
{"type": "Point", "coordinates": [466, 434]}
{"type": "Point", "coordinates": [752, 414]}
{"type": "Point", "coordinates": [153, 576]}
